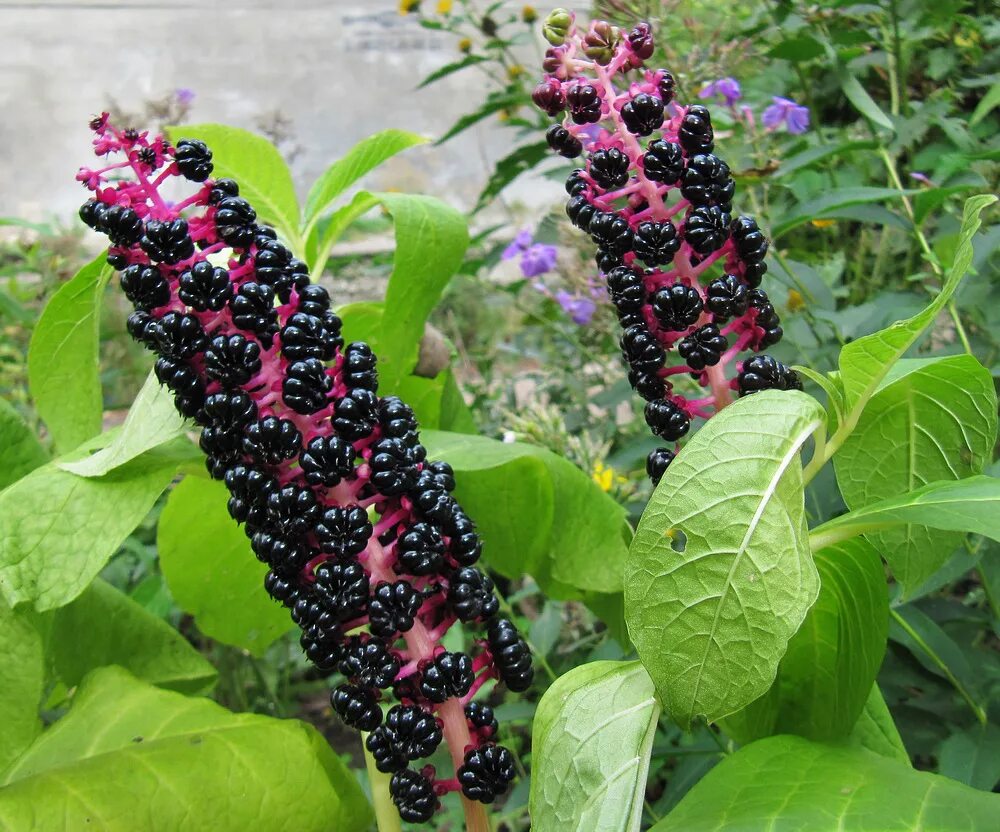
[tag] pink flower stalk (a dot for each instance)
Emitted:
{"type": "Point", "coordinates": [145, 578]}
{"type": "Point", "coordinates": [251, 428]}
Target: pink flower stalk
{"type": "Point", "coordinates": [367, 548]}
{"type": "Point", "coordinates": [681, 271]}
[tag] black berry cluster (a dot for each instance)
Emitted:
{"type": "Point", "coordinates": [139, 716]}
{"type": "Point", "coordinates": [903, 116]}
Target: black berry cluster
{"type": "Point", "coordinates": [365, 545]}
{"type": "Point", "coordinates": [682, 271]}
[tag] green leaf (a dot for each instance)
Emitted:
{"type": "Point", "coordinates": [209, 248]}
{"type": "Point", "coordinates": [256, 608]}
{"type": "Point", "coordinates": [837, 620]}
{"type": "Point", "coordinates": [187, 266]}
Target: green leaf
{"type": "Point", "coordinates": [211, 570]}
{"type": "Point", "coordinates": [969, 505]}
{"type": "Point", "coordinates": [448, 69]}
{"type": "Point", "coordinates": [719, 575]}
{"type": "Point", "coordinates": [20, 452]}
{"type": "Point", "coordinates": [876, 731]}
{"type": "Point", "coordinates": [57, 530]}
{"type": "Point", "coordinates": [798, 48]}
{"type": "Point", "coordinates": [832, 201]}
{"type": "Point", "coordinates": [493, 104]}
{"type": "Point", "coordinates": [865, 361]}
{"type": "Point", "coordinates": [591, 741]}
{"type": "Point", "coordinates": [537, 512]}
{"type": "Point", "coordinates": [152, 420]}
{"type": "Point", "coordinates": [861, 100]}
{"type": "Point", "coordinates": [812, 155]}
{"type": "Point", "coordinates": [63, 371]}
{"type": "Point", "coordinates": [431, 238]}
{"type": "Point", "coordinates": [104, 626]}
{"type": "Point", "coordinates": [972, 757]}
{"type": "Point", "coordinates": [986, 105]}
{"type": "Point", "coordinates": [130, 756]}
{"type": "Point", "coordinates": [791, 783]}
{"type": "Point", "coordinates": [826, 676]}
{"type": "Point", "coordinates": [326, 232]}
{"type": "Point", "coordinates": [935, 421]}
{"type": "Point", "coordinates": [365, 156]}
{"type": "Point", "coordinates": [510, 167]}
{"type": "Point", "coordinates": [23, 659]}
{"type": "Point", "coordinates": [264, 178]}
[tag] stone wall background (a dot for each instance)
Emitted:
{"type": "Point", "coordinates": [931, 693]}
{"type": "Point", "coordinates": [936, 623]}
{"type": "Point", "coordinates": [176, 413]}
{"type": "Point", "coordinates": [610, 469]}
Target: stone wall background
{"type": "Point", "coordinates": [338, 70]}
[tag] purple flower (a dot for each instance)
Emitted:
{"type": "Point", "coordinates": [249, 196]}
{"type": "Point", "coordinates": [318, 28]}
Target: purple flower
{"type": "Point", "coordinates": [536, 258]}
{"type": "Point", "coordinates": [794, 116]}
{"type": "Point", "coordinates": [580, 309]}
{"type": "Point", "coordinates": [184, 96]}
{"type": "Point", "coordinates": [923, 178]}
{"type": "Point", "coordinates": [726, 88]}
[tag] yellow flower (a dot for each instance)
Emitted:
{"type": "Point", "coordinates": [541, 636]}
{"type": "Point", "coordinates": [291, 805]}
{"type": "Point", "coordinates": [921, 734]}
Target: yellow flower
{"type": "Point", "coordinates": [465, 46]}
{"type": "Point", "coordinates": [515, 71]}
{"type": "Point", "coordinates": [822, 223]}
{"type": "Point", "coordinates": [407, 6]}
{"type": "Point", "coordinates": [795, 300]}
{"type": "Point", "coordinates": [966, 39]}
{"type": "Point", "coordinates": [603, 476]}
{"type": "Point", "coordinates": [528, 14]}
{"type": "Point", "coordinates": [444, 6]}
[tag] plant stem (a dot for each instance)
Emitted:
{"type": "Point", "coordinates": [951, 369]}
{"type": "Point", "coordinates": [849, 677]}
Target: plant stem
{"type": "Point", "coordinates": [940, 663]}
{"type": "Point", "coordinates": [386, 816]}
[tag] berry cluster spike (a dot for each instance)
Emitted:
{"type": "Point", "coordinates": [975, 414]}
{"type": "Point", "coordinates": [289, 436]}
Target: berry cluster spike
{"type": "Point", "coordinates": [657, 202]}
{"type": "Point", "coordinates": [366, 546]}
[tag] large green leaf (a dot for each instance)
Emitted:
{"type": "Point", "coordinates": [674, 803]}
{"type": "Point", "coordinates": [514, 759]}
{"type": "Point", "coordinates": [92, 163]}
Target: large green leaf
{"type": "Point", "coordinates": [826, 676]}
{"type": "Point", "coordinates": [719, 575]}
{"type": "Point", "coordinates": [211, 570]}
{"type": "Point", "coordinates": [876, 730]}
{"type": "Point", "coordinates": [538, 513]}
{"type": "Point", "coordinates": [104, 626]}
{"type": "Point", "coordinates": [264, 178]}
{"type": "Point", "coordinates": [63, 371]}
{"type": "Point", "coordinates": [57, 530]}
{"type": "Point", "coordinates": [152, 420]}
{"type": "Point", "coordinates": [860, 98]}
{"type": "Point", "coordinates": [936, 421]}
{"type": "Point", "coordinates": [866, 361]}
{"type": "Point", "coordinates": [365, 156]}
{"type": "Point", "coordinates": [20, 451]}
{"type": "Point", "coordinates": [130, 756]}
{"type": "Point", "coordinates": [972, 756]}
{"type": "Point", "coordinates": [591, 740]}
{"type": "Point", "coordinates": [789, 783]}
{"type": "Point", "coordinates": [23, 660]}
{"type": "Point", "coordinates": [969, 505]}
{"type": "Point", "coordinates": [431, 238]}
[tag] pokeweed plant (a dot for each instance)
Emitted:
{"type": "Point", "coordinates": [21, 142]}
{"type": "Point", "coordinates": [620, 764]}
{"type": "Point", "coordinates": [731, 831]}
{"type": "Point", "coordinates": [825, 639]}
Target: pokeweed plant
{"type": "Point", "coordinates": [356, 531]}
{"type": "Point", "coordinates": [741, 615]}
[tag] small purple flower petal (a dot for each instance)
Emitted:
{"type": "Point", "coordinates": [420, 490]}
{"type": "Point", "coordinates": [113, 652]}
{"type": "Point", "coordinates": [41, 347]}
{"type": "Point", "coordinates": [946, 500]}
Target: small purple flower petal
{"type": "Point", "coordinates": [785, 111]}
{"type": "Point", "coordinates": [726, 88]}
{"type": "Point", "coordinates": [184, 95]}
{"type": "Point", "coordinates": [538, 259]}
{"type": "Point", "coordinates": [518, 245]}
{"type": "Point", "coordinates": [921, 177]}
{"type": "Point", "coordinates": [580, 309]}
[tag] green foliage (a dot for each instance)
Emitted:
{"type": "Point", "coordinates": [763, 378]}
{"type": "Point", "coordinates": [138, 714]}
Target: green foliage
{"type": "Point", "coordinates": [62, 359]}
{"type": "Point", "coordinates": [538, 513]}
{"type": "Point", "coordinates": [58, 530]}
{"type": "Point", "coordinates": [22, 653]}
{"type": "Point", "coordinates": [212, 573]}
{"type": "Point", "coordinates": [161, 759]}
{"type": "Point", "coordinates": [20, 451]}
{"type": "Point", "coordinates": [719, 576]}
{"type": "Point", "coordinates": [935, 421]}
{"type": "Point", "coordinates": [805, 785]}
{"type": "Point", "coordinates": [591, 740]}
{"type": "Point", "coordinates": [876, 731]}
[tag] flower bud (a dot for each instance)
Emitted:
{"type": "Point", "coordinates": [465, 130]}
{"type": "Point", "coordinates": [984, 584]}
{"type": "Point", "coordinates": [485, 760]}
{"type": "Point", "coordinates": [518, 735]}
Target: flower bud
{"type": "Point", "coordinates": [557, 26]}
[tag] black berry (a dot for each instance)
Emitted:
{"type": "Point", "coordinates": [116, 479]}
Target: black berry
{"type": "Point", "coordinates": [194, 160]}
{"type": "Point", "coordinates": [510, 654]}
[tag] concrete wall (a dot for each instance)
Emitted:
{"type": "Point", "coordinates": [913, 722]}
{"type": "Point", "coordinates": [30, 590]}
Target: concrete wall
{"type": "Point", "coordinates": [338, 70]}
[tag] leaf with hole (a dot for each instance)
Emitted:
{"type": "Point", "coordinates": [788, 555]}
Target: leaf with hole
{"type": "Point", "coordinates": [591, 739]}
{"type": "Point", "coordinates": [719, 575]}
